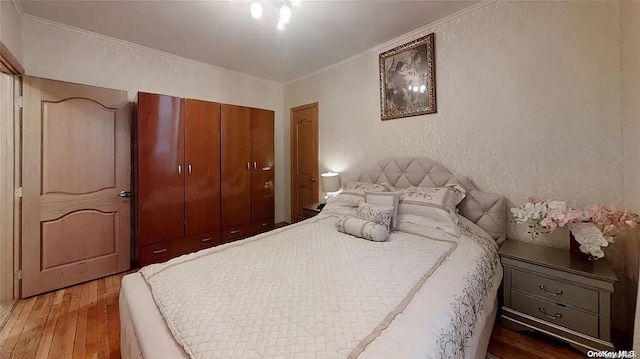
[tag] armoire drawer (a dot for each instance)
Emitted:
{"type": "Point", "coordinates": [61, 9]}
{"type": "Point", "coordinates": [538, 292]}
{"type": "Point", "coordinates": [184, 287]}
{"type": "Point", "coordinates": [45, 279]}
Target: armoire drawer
{"type": "Point", "coordinates": [262, 226]}
{"type": "Point", "coordinates": [156, 253]}
{"type": "Point", "coordinates": [234, 233]}
{"type": "Point", "coordinates": [196, 243]}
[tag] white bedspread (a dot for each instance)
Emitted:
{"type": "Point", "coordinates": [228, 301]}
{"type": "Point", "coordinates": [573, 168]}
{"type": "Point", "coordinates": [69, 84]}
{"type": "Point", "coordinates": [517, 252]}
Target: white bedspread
{"type": "Point", "coordinates": [308, 291]}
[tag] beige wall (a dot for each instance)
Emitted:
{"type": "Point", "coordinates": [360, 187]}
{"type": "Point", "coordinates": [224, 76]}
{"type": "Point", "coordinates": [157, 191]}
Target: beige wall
{"type": "Point", "coordinates": [528, 102]}
{"type": "Point", "coordinates": [630, 59]}
{"type": "Point", "coordinates": [10, 30]}
{"type": "Point", "coordinates": [62, 53]}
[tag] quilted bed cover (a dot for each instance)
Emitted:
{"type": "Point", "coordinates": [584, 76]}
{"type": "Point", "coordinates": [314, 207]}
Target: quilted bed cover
{"type": "Point", "coordinates": [309, 291]}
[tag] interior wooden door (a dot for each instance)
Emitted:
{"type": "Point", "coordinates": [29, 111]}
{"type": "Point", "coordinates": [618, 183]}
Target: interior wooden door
{"type": "Point", "coordinates": [304, 159]}
{"type": "Point", "coordinates": [76, 161]}
{"type": "Point", "coordinates": [202, 157]}
{"type": "Point", "coordinates": [262, 155]}
{"type": "Point", "coordinates": [236, 165]}
{"type": "Point", "coordinates": [160, 176]}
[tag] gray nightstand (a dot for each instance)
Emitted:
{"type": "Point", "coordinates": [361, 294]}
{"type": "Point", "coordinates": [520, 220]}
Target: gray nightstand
{"type": "Point", "coordinates": [546, 290]}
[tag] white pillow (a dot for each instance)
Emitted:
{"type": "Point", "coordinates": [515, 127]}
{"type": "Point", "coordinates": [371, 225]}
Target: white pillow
{"type": "Point", "coordinates": [362, 229]}
{"type": "Point", "coordinates": [386, 199]}
{"type": "Point", "coordinates": [353, 194]}
{"type": "Point", "coordinates": [432, 207]}
{"type": "Point", "coordinates": [376, 214]}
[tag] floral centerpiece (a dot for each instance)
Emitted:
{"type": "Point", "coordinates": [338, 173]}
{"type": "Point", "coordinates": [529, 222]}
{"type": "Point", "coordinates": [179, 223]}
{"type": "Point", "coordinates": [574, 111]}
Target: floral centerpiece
{"type": "Point", "coordinates": [592, 228]}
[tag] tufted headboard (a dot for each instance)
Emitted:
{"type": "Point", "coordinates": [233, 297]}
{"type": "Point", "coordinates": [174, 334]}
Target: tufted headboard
{"type": "Point", "coordinates": [487, 210]}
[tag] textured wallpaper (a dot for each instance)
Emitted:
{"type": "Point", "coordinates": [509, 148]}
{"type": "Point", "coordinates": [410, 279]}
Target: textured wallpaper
{"type": "Point", "coordinates": [62, 53]}
{"type": "Point", "coordinates": [528, 103]}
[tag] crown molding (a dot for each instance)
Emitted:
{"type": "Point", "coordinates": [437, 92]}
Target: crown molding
{"type": "Point", "coordinates": [400, 39]}
{"type": "Point", "coordinates": [18, 6]}
{"type": "Point", "coordinates": [138, 47]}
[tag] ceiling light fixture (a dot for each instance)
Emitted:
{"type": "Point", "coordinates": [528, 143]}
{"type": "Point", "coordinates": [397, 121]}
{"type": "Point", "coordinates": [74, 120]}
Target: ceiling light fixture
{"type": "Point", "coordinates": [256, 10]}
{"type": "Point", "coordinates": [284, 10]}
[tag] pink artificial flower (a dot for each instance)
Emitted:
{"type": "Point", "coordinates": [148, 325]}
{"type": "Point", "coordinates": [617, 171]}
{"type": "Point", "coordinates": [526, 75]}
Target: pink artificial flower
{"type": "Point", "coordinates": [631, 223]}
{"type": "Point", "coordinates": [536, 199]}
{"type": "Point", "coordinates": [549, 224]}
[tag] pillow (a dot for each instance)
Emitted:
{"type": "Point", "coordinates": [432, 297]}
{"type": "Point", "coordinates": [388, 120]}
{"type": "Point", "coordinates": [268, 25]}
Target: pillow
{"type": "Point", "coordinates": [386, 199]}
{"type": "Point", "coordinates": [376, 214]}
{"type": "Point", "coordinates": [362, 229]}
{"type": "Point", "coordinates": [431, 207]}
{"type": "Point", "coordinates": [353, 194]}
{"type": "Point", "coordinates": [339, 209]}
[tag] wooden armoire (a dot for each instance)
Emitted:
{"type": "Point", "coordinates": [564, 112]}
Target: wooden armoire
{"type": "Point", "coordinates": [186, 181]}
{"type": "Point", "coordinates": [247, 171]}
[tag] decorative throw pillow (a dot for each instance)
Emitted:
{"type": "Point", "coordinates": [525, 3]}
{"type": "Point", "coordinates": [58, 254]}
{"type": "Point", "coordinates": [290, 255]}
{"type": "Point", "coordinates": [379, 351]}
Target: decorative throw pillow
{"type": "Point", "coordinates": [353, 194]}
{"type": "Point", "coordinates": [432, 207]}
{"type": "Point", "coordinates": [376, 214]}
{"type": "Point", "coordinates": [362, 229]}
{"type": "Point", "coordinates": [386, 199]}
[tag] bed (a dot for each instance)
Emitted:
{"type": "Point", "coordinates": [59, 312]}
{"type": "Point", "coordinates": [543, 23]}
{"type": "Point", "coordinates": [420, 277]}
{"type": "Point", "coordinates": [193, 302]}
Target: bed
{"type": "Point", "coordinates": [308, 291]}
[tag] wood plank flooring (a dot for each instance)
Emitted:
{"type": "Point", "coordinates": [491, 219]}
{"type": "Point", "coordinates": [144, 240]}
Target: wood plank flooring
{"type": "Point", "coordinates": [83, 322]}
{"type": "Point", "coordinates": [76, 322]}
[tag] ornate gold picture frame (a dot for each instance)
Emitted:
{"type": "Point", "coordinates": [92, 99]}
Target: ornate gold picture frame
{"type": "Point", "coordinates": [408, 79]}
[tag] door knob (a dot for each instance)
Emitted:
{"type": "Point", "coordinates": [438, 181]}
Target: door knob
{"type": "Point", "coordinates": [313, 179]}
{"type": "Point", "coordinates": [125, 193]}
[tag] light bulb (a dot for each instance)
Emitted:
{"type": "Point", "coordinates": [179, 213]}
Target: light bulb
{"type": "Point", "coordinates": [256, 10]}
{"type": "Point", "coordinates": [423, 88]}
{"type": "Point", "coordinates": [296, 2]}
{"type": "Point", "coordinates": [285, 14]}
{"type": "Point", "coordinates": [415, 88]}
{"type": "Point", "coordinates": [280, 25]}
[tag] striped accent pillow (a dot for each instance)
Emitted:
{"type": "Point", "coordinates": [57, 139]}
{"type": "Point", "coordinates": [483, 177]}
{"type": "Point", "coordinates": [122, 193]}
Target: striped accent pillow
{"type": "Point", "coordinates": [362, 229]}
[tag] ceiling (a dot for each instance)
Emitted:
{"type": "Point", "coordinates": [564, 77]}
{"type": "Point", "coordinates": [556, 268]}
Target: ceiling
{"type": "Point", "coordinates": [222, 33]}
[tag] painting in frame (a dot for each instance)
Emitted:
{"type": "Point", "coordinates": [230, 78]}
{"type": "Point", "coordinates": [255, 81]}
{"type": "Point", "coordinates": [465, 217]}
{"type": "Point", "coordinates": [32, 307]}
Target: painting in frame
{"type": "Point", "coordinates": [408, 79]}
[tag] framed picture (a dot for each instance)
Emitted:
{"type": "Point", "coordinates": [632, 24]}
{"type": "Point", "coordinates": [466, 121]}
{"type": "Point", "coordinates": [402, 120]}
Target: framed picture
{"type": "Point", "coordinates": [408, 79]}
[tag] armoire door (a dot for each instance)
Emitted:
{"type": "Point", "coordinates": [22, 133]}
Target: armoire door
{"type": "Point", "coordinates": [236, 165]}
{"type": "Point", "coordinates": [202, 158]}
{"type": "Point", "coordinates": [262, 155]}
{"type": "Point", "coordinates": [160, 166]}
{"type": "Point", "coordinates": [76, 162]}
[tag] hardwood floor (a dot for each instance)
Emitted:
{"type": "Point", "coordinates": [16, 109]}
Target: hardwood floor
{"type": "Point", "coordinates": [83, 322]}
{"type": "Point", "coordinates": [76, 322]}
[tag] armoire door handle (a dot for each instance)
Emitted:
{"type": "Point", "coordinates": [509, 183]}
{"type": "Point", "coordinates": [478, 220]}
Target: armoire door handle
{"type": "Point", "coordinates": [179, 170]}
{"type": "Point", "coordinates": [248, 166]}
{"type": "Point", "coordinates": [255, 165]}
{"type": "Point", "coordinates": [189, 170]}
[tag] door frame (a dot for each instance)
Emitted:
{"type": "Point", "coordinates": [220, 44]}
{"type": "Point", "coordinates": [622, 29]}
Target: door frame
{"type": "Point", "coordinates": [10, 165]}
{"type": "Point", "coordinates": [291, 151]}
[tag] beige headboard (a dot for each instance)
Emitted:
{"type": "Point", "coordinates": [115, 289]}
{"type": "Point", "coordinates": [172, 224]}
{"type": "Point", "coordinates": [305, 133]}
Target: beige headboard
{"type": "Point", "coordinates": [487, 210]}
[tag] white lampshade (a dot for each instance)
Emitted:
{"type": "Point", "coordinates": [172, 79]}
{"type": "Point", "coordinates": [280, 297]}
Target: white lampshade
{"type": "Point", "coordinates": [330, 182]}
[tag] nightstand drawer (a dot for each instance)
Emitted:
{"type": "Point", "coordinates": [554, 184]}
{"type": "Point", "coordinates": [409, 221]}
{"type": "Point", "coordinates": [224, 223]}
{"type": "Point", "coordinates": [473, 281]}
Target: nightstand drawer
{"type": "Point", "coordinates": [554, 290]}
{"type": "Point", "coordinates": [556, 314]}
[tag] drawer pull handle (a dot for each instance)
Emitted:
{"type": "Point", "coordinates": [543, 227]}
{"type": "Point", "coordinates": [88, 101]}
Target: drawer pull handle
{"type": "Point", "coordinates": [207, 239]}
{"type": "Point", "coordinates": [160, 251]}
{"type": "Point", "coordinates": [554, 317]}
{"type": "Point", "coordinates": [265, 224]}
{"type": "Point", "coordinates": [553, 294]}
{"type": "Point", "coordinates": [235, 231]}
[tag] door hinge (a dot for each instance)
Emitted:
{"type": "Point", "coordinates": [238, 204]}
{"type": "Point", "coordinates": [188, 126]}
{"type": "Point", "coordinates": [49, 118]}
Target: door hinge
{"type": "Point", "coordinates": [18, 275]}
{"type": "Point", "coordinates": [19, 192]}
{"type": "Point", "coordinates": [19, 101]}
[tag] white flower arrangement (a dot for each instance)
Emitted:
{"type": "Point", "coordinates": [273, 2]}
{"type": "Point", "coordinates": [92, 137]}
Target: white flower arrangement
{"type": "Point", "coordinates": [593, 228]}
